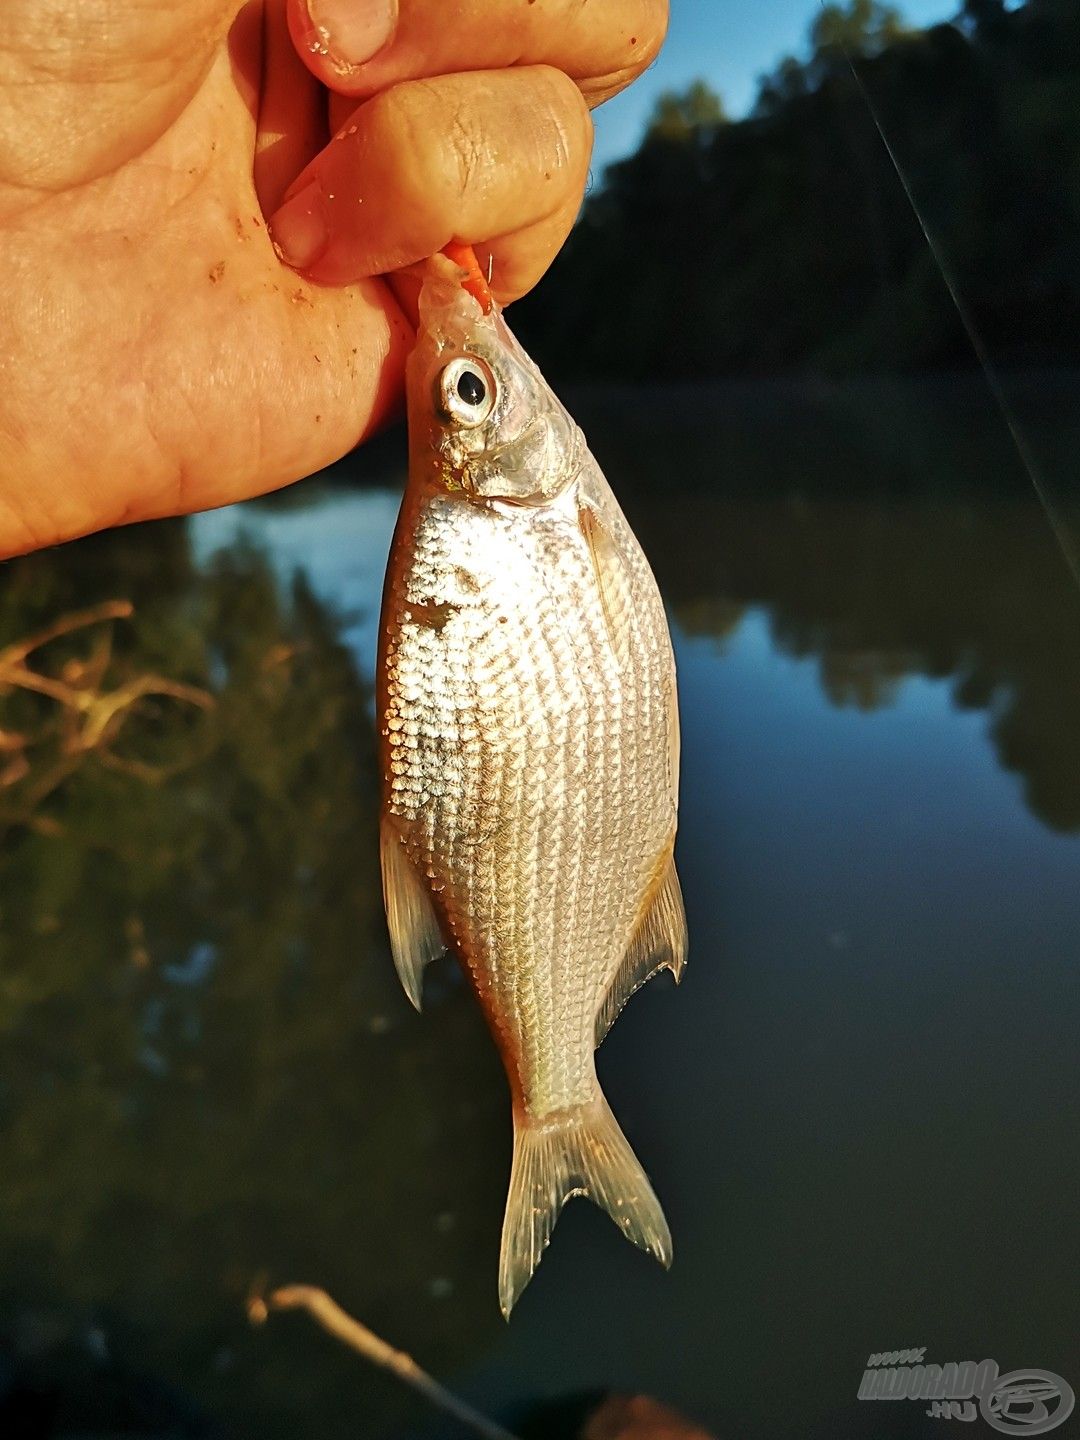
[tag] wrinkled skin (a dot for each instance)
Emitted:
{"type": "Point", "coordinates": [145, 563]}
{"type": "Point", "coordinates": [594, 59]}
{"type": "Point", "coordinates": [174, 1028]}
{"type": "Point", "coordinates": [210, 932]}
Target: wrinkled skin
{"type": "Point", "coordinates": [156, 354]}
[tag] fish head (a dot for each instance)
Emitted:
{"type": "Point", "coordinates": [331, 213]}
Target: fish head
{"type": "Point", "coordinates": [482, 419]}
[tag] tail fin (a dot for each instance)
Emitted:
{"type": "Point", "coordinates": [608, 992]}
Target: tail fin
{"type": "Point", "coordinates": [580, 1151]}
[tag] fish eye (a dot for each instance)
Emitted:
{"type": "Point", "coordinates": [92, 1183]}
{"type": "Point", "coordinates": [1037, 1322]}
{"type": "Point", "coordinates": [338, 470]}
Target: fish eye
{"type": "Point", "coordinates": [471, 388]}
{"type": "Point", "coordinates": [466, 390]}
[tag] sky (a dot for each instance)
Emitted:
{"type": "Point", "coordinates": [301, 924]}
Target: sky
{"type": "Point", "coordinates": [728, 43]}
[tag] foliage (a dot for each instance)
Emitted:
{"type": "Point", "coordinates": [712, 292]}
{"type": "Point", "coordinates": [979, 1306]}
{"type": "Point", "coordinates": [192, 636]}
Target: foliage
{"type": "Point", "coordinates": [693, 117]}
{"type": "Point", "coordinates": [784, 241]}
{"type": "Point", "coordinates": [864, 28]}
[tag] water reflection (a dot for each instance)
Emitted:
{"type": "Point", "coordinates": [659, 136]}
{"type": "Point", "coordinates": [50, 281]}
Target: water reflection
{"type": "Point", "coordinates": [208, 1069]}
{"type": "Point", "coordinates": [879, 591]}
{"type": "Point", "coordinates": [199, 1026]}
{"type": "Point", "coordinates": [889, 531]}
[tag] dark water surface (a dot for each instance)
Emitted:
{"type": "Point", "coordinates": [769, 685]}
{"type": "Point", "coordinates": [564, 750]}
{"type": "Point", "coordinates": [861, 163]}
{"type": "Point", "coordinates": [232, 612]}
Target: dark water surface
{"type": "Point", "coordinates": [861, 1109]}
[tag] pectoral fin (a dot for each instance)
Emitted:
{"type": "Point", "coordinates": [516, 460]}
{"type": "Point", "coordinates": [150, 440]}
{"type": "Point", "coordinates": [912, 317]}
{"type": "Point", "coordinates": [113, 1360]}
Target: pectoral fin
{"type": "Point", "coordinates": [606, 567]}
{"type": "Point", "coordinates": [415, 937]}
{"type": "Point", "coordinates": [659, 943]}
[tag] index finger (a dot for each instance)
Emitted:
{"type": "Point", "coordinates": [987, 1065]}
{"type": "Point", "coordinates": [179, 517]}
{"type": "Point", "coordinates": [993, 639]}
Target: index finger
{"type": "Point", "coordinates": [602, 46]}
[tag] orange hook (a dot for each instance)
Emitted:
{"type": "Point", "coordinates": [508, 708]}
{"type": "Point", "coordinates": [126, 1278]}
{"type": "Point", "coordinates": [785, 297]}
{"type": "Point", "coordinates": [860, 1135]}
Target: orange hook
{"type": "Point", "coordinates": [475, 281]}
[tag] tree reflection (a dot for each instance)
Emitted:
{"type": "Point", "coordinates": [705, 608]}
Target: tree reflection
{"type": "Point", "coordinates": [886, 528]}
{"type": "Point", "coordinates": [207, 1069]}
{"type": "Point", "coordinates": [207, 1066]}
{"type": "Point", "coordinates": [879, 591]}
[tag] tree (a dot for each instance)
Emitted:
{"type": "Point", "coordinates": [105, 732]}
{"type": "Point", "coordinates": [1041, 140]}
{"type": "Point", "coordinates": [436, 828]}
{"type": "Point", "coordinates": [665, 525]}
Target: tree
{"type": "Point", "coordinates": [785, 241]}
{"type": "Point", "coordinates": [697, 112]}
{"type": "Point", "coordinates": [986, 19]}
{"type": "Point", "coordinates": [865, 27]}
{"type": "Point", "coordinates": [791, 80]}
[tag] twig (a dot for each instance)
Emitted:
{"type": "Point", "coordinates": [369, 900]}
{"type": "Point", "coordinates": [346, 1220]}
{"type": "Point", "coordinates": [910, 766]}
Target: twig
{"type": "Point", "coordinates": [77, 620]}
{"type": "Point", "coordinates": [90, 719]}
{"type": "Point", "coordinates": [343, 1327]}
{"type": "Point", "coordinates": [20, 677]}
{"type": "Point", "coordinates": [103, 709]}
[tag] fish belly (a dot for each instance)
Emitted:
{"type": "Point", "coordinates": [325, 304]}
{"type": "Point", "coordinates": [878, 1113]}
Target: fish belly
{"type": "Point", "coordinates": [529, 770]}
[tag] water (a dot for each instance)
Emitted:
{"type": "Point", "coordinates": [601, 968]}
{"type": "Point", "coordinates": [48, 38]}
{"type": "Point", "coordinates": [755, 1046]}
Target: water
{"type": "Point", "coordinates": [861, 1108]}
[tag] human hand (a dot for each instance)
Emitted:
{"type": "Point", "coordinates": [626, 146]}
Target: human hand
{"type": "Point", "coordinates": [156, 354]}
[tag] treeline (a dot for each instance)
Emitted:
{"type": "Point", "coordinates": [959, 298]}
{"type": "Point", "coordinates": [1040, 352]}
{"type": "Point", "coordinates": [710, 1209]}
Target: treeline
{"type": "Point", "coordinates": [784, 241]}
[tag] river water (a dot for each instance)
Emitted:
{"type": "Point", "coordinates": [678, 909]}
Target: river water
{"type": "Point", "coordinates": [860, 1109]}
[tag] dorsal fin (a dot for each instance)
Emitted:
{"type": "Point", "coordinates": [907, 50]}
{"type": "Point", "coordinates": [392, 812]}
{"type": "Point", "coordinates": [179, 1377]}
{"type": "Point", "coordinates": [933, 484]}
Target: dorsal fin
{"type": "Point", "coordinates": [659, 943]}
{"type": "Point", "coordinates": [415, 936]}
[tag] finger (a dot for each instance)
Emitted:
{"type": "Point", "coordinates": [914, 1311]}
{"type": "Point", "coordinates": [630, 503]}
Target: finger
{"type": "Point", "coordinates": [517, 262]}
{"type": "Point", "coordinates": [359, 47]}
{"type": "Point", "coordinates": [292, 125]}
{"type": "Point", "coordinates": [460, 157]}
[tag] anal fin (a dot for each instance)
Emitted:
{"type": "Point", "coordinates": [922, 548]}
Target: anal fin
{"type": "Point", "coordinates": [659, 943]}
{"type": "Point", "coordinates": [415, 936]}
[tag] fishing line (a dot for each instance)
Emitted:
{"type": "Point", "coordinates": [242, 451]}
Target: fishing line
{"type": "Point", "coordinates": [1057, 522]}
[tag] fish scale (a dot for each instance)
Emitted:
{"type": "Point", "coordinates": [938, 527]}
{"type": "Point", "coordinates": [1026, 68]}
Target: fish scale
{"type": "Point", "coordinates": [529, 739]}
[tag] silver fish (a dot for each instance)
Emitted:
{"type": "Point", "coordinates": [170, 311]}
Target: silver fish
{"type": "Point", "coordinates": [530, 746]}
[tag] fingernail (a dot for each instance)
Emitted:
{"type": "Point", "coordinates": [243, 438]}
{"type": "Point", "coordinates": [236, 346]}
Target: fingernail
{"type": "Point", "coordinates": [299, 229]}
{"type": "Point", "coordinates": [351, 32]}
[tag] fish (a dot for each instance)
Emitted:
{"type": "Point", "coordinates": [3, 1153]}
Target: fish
{"type": "Point", "coordinates": [529, 740]}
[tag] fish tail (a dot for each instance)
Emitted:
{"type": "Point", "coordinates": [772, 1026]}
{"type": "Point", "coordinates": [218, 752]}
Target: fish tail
{"type": "Point", "coordinates": [578, 1151]}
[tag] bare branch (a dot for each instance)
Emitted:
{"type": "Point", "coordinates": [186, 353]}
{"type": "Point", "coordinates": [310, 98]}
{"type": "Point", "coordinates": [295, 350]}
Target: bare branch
{"type": "Point", "coordinates": [23, 678]}
{"type": "Point", "coordinates": [76, 620]}
{"type": "Point", "coordinates": [327, 1313]}
{"type": "Point", "coordinates": [103, 710]}
{"type": "Point", "coordinates": [89, 719]}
